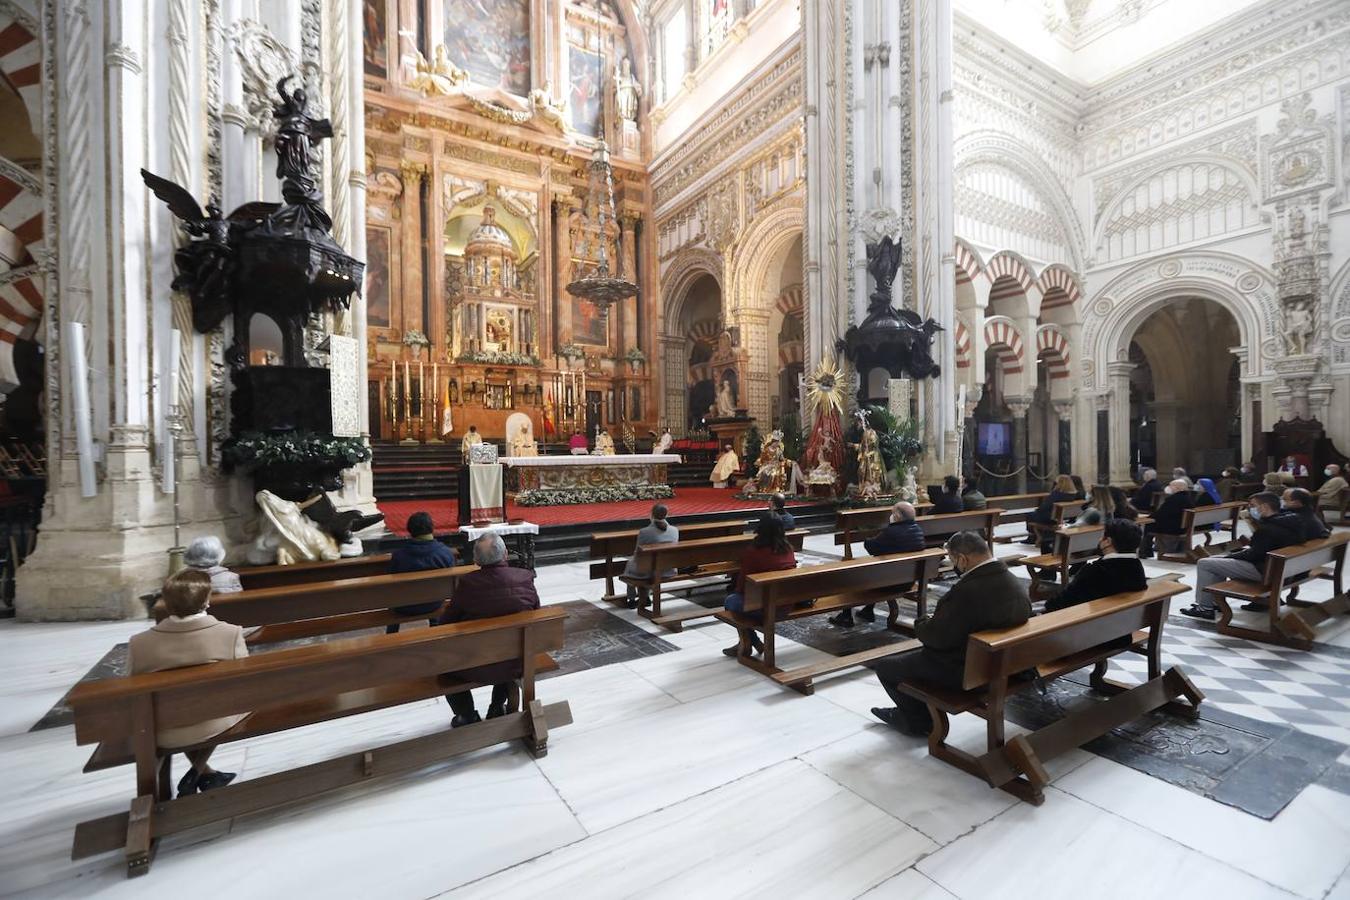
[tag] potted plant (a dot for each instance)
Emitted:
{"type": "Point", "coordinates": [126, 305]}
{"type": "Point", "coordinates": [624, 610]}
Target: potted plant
{"type": "Point", "coordinates": [293, 464]}
{"type": "Point", "coordinates": [635, 358]}
{"type": "Point", "coordinates": [572, 353]}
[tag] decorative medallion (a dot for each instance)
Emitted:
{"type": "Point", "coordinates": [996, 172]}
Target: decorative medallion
{"type": "Point", "coordinates": [1169, 269]}
{"type": "Point", "coordinates": [1249, 282]}
{"type": "Point", "coordinates": [1103, 306]}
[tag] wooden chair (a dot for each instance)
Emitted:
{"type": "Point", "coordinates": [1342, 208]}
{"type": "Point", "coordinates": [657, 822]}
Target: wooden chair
{"type": "Point", "coordinates": [331, 607]}
{"type": "Point", "coordinates": [772, 597]}
{"type": "Point", "coordinates": [1056, 644]}
{"type": "Point", "coordinates": [1286, 570]}
{"type": "Point", "coordinates": [692, 560]}
{"type": "Point", "coordinates": [290, 689]}
{"type": "Point", "coordinates": [1204, 517]}
{"type": "Point", "coordinates": [1074, 545]}
{"type": "Point", "coordinates": [255, 577]}
{"type": "Point", "coordinates": [614, 548]}
{"type": "Point", "coordinates": [1016, 508]}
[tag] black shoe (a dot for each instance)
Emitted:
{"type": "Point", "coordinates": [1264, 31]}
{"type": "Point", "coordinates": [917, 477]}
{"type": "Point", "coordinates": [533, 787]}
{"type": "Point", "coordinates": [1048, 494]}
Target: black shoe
{"type": "Point", "coordinates": [1199, 612]}
{"type": "Point", "coordinates": [867, 614]}
{"type": "Point", "coordinates": [893, 718]}
{"type": "Point", "coordinates": [844, 619]}
{"type": "Point", "coordinates": [496, 712]}
{"type": "Point", "coordinates": [189, 783]}
{"type": "Point", "coordinates": [733, 651]}
{"type": "Point", "coordinates": [1256, 607]}
{"type": "Point", "coordinates": [471, 719]}
{"type": "Point", "coordinates": [212, 780]}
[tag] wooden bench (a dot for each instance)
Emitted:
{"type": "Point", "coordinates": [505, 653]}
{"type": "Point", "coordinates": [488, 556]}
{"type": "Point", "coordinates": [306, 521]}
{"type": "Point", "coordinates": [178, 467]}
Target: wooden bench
{"type": "Point", "coordinates": [1061, 513]}
{"type": "Point", "coordinates": [290, 689]}
{"type": "Point", "coordinates": [254, 577]}
{"type": "Point", "coordinates": [706, 557]}
{"type": "Point", "coordinates": [1056, 644]}
{"type": "Point", "coordinates": [1204, 517]}
{"type": "Point", "coordinates": [772, 597]}
{"type": "Point", "coordinates": [331, 607]}
{"type": "Point", "coordinates": [1286, 570]}
{"type": "Point", "coordinates": [1074, 545]}
{"type": "Point", "coordinates": [852, 524]}
{"type": "Point", "coordinates": [1016, 508]}
{"type": "Point", "coordinates": [614, 548]}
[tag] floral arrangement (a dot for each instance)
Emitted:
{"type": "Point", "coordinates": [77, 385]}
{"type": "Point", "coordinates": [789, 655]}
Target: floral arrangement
{"type": "Point", "coordinates": [571, 351]}
{"type": "Point", "coordinates": [898, 439]}
{"type": "Point", "coordinates": [498, 357]}
{"type": "Point", "coordinates": [414, 338]}
{"type": "Point", "coordinates": [563, 496]}
{"type": "Point", "coordinates": [635, 355]}
{"type": "Point", "coordinates": [254, 449]}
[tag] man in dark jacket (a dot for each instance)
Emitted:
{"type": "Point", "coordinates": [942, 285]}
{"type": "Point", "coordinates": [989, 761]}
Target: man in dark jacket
{"type": "Point", "coordinates": [496, 589]}
{"type": "Point", "coordinates": [1167, 519]}
{"type": "Point", "coordinates": [778, 507]}
{"type": "Point", "coordinates": [1274, 528]}
{"type": "Point", "coordinates": [1304, 505]}
{"type": "Point", "coordinates": [1149, 485]}
{"type": "Point", "coordinates": [420, 553]}
{"type": "Point", "coordinates": [1118, 569]}
{"type": "Point", "coordinates": [901, 535]}
{"type": "Point", "coordinates": [987, 596]}
{"type": "Point", "coordinates": [948, 498]}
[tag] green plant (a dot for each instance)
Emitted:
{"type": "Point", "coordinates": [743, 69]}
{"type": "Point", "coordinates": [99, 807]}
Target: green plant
{"type": "Point", "coordinates": [254, 449]}
{"type": "Point", "coordinates": [754, 442]}
{"type": "Point", "coordinates": [571, 351]}
{"type": "Point", "coordinates": [794, 436]}
{"type": "Point", "coordinates": [898, 439]}
{"type": "Point", "coordinates": [635, 354]}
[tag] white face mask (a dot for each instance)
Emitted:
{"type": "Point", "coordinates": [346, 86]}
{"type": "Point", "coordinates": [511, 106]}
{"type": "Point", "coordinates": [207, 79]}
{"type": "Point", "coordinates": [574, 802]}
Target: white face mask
{"type": "Point", "coordinates": [1326, 472]}
{"type": "Point", "coordinates": [1168, 490]}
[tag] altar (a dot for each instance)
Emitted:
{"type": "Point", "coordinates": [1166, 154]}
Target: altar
{"type": "Point", "coordinates": [557, 480]}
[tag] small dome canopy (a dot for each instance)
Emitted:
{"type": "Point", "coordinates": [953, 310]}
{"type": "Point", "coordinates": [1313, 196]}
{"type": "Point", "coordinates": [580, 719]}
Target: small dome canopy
{"type": "Point", "coordinates": [489, 238]}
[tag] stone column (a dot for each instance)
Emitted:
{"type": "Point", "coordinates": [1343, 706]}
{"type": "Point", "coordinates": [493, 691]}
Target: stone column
{"type": "Point", "coordinates": [410, 256]}
{"type": "Point", "coordinates": [1119, 375]}
{"type": "Point", "coordinates": [1019, 407]}
{"type": "Point", "coordinates": [628, 250]}
{"type": "Point", "coordinates": [1064, 414]}
{"type": "Point", "coordinates": [1101, 411]}
{"type": "Point", "coordinates": [565, 206]}
{"type": "Point", "coordinates": [970, 440]}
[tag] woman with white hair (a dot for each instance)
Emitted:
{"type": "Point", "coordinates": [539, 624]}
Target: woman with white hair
{"type": "Point", "coordinates": [206, 554]}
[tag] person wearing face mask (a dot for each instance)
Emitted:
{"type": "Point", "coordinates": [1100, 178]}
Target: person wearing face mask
{"type": "Point", "coordinates": [1274, 528]}
{"type": "Point", "coordinates": [1294, 467]}
{"type": "Point", "coordinates": [986, 596]}
{"type": "Point", "coordinates": [1329, 494]}
{"type": "Point", "coordinates": [1166, 527]}
{"type": "Point", "coordinates": [1118, 569]}
{"type": "Point", "coordinates": [1300, 503]}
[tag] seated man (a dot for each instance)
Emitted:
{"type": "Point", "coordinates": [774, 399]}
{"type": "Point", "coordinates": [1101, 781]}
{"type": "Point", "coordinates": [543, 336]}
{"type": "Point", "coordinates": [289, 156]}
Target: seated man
{"type": "Point", "coordinates": [418, 554]}
{"type": "Point", "coordinates": [1274, 528]}
{"type": "Point", "coordinates": [901, 535]}
{"type": "Point", "coordinates": [1329, 494]}
{"type": "Point", "coordinates": [972, 497]}
{"type": "Point", "coordinates": [1294, 467]}
{"type": "Point", "coordinates": [948, 498]}
{"type": "Point", "coordinates": [1301, 503]}
{"type": "Point", "coordinates": [576, 444]}
{"type": "Point", "coordinates": [189, 636]}
{"type": "Point", "coordinates": [1118, 569]}
{"type": "Point", "coordinates": [987, 596]}
{"type": "Point", "coordinates": [778, 507]}
{"type": "Point", "coordinates": [657, 531]}
{"type": "Point", "coordinates": [496, 589]}
{"type": "Point", "coordinates": [1149, 485]}
{"type": "Point", "coordinates": [1167, 519]}
{"type": "Point", "coordinates": [604, 444]}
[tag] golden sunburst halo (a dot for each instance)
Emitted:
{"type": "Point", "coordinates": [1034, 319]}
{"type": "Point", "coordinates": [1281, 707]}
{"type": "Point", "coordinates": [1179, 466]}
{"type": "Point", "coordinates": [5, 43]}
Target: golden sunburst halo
{"type": "Point", "coordinates": [825, 388]}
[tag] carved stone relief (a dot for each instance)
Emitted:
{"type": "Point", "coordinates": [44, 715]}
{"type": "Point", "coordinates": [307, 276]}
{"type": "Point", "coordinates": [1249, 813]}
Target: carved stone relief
{"type": "Point", "coordinates": [263, 61]}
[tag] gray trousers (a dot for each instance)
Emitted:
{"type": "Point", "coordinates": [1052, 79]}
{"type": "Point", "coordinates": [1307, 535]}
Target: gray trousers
{"type": "Point", "coordinates": [1217, 568]}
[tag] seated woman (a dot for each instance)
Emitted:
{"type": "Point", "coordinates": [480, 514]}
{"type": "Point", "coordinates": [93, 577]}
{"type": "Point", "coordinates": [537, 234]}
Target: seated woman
{"type": "Point", "coordinates": [1229, 479]}
{"type": "Point", "coordinates": [768, 552]}
{"type": "Point", "coordinates": [206, 555]}
{"type": "Point", "coordinates": [421, 553]}
{"type": "Point", "coordinates": [947, 498]}
{"type": "Point", "coordinates": [638, 579]}
{"type": "Point", "coordinates": [1101, 506]}
{"type": "Point", "coordinates": [189, 637]}
{"type": "Point", "coordinates": [1124, 508]}
{"type": "Point", "coordinates": [1062, 492]}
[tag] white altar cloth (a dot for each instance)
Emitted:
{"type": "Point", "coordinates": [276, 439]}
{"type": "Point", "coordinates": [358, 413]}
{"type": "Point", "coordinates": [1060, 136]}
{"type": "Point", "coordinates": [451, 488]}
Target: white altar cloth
{"type": "Point", "coordinates": [617, 459]}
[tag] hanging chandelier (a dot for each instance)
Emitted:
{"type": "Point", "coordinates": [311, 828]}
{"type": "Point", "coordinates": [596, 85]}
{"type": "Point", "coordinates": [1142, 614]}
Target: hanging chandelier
{"type": "Point", "coordinates": [600, 287]}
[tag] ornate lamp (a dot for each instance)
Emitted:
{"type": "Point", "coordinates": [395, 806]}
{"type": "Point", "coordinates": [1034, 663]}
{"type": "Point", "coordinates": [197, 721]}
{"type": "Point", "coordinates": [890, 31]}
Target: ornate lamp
{"type": "Point", "coordinates": [600, 287]}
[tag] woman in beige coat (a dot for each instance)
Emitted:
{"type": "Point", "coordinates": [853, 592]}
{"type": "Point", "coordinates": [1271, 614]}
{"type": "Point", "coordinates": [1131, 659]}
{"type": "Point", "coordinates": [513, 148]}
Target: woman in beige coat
{"type": "Point", "coordinates": [189, 637]}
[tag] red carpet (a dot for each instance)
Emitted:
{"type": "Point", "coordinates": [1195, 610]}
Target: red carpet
{"type": "Point", "coordinates": [687, 501]}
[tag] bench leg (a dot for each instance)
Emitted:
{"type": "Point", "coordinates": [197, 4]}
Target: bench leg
{"type": "Point", "coordinates": [141, 846]}
{"type": "Point", "coordinates": [536, 742]}
{"type": "Point", "coordinates": [892, 614]}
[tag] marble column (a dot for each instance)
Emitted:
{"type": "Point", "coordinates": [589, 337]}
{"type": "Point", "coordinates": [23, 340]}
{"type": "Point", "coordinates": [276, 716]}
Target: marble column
{"type": "Point", "coordinates": [1019, 407]}
{"type": "Point", "coordinates": [410, 254]}
{"type": "Point", "coordinates": [1064, 416]}
{"type": "Point", "coordinates": [1119, 378]}
{"type": "Point", "coordinates": [564, 206]}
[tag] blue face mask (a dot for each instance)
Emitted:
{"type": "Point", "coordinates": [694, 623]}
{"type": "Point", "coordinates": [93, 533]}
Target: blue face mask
{"type": "Point", "coordinates": [1256, 513]}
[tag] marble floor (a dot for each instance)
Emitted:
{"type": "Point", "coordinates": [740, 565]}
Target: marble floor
{"type": "Point", "coordinates": [685, 774]}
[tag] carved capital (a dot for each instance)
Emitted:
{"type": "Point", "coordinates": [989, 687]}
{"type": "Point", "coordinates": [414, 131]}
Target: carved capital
{"type": "Point", "coordinates": [1063, 409]}
{"type": "Point", "coordinates": [1018, 406]}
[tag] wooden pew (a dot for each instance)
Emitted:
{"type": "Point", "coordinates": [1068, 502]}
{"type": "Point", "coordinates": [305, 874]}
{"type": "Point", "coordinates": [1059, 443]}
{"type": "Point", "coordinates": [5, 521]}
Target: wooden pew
{"type": "Point", "coordinates": [330, 607]}
{"type": "Point", "coordinates": [854, 525]}
{"type": "Point", "coordinates": [711, 556]}
{"type": "Point", "coordinates": [1061, 513]}
{"type": "Point", "coordinates": [614, 548]}
{"type": "Point", "coordinates": [1073, 545]}
{"type": "Point", "coordinates": [1016, 508]}
{"type": "Point", "coordinates": [1287, 570]}
{"type": "Point", "coordinates": [1204, 517]}
{"type": "Point", "coordinates": [254, 577]}
{"type": "Point", "coordinates": [1056, 644]}
{"type": "Point", "coordinates": [290, 689]}
{"type": "Point", "coordinates": [833, 586]}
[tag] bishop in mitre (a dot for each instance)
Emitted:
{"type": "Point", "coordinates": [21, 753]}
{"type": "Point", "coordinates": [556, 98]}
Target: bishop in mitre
{"type": "Point", "coordinates": [727, 464]}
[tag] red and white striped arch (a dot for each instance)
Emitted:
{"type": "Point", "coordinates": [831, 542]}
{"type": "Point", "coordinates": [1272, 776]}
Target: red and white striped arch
{"type": "Point", "coordinates": [962, 345]}
{"type": "Point", "coordinates": [21, 286]}
{"type": "Point", "coordinates": [1011, 269]}
{"type": "Point", "coordinates": [1054, 347]}
{"type": "Point", "coordinates": [968, 264]}
{"type": "Point", "coordinates": [21, 64]}
{"type": "Point", "coordinates": [1059, 287]}
{"type": "Point", "coordinates": [789, 300]}
{"type": "Point", "coordinates": [1002, 336]}
{"type": "Point", "coordinates": [705, 331]}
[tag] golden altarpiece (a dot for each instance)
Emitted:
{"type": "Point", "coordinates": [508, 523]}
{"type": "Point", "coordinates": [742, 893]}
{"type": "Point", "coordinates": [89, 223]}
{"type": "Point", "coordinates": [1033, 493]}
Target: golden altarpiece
{"type": "Point", "coordinates": [481, 120]}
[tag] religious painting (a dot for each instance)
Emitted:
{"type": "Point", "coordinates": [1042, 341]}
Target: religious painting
{"type": "Point", "coordinates": [586, 83]}
{"type": "Point", "coordinates": [376, 38]}
{"type": "Point", "coordinates": [377, 276]}
{"type": "Point", "coordinates": [588, 324]}
{"type": "Point", "coordinates": [497, 330]}
{"type": "Point", "coordinates": [491, 39]}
